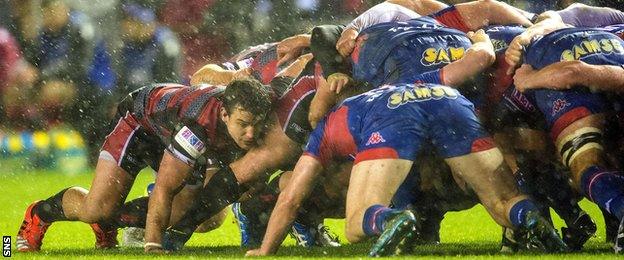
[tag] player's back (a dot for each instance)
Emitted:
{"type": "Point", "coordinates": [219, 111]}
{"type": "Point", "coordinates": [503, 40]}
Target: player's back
{"type": "Point", "coordinates": [593, 46]}
{"type": "Point", "coordinates": [388, 52]}
{"type": "Point", "coordinates": [162, 107]}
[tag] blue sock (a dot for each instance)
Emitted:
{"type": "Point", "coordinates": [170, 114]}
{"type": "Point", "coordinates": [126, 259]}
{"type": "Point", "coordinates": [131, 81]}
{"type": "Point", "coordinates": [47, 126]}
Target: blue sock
{"type": "Point", "coordinates": [517, 214]}
{"type": "Point", "coordinates": [605, 188]}
{"type": "Point", "coordinates": [374, 217]}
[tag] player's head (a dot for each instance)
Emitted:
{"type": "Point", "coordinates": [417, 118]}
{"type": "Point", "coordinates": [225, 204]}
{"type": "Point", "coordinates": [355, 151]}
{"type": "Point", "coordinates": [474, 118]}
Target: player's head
{"type": "Point", "coordinates": [247, 104]}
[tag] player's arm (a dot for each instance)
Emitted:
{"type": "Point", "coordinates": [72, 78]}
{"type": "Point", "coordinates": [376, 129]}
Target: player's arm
{"type": "Point", "coordinates": [291, 47]}
{"type": "Point", "coordinates": [171, 175]}
{"type": "Point", "coordinates": [477, 14]}
{"type": "Point", "coordinates": [567, 74]}
{"type": "Point", "coordinates": [294, 69]}
{"type": "Point", "coordinates": [289, 201]}
{"type": "Point", "coordinates": [276, 151]}
{"type": "Point", "coordinates": [547, 22]}
{"type": "Point", "coordinates": [324, 99]}
{"type": "Point", "coordinates": [187, 145]}
{"type": "Point", "coordinates": [477, 58]}
{"type": "Point", "coordinates": [216, 75]}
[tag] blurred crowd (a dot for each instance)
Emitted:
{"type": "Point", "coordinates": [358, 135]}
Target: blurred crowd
{"type": "Point", "coordinates": [67, 62]}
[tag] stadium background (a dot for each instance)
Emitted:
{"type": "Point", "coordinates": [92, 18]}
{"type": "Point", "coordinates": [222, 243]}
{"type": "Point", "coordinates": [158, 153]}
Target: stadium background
{"type": "Point", "coordinates": [45, 146]}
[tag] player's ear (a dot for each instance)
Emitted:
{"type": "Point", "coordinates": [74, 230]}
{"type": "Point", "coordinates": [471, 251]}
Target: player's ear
{"type": "Point", "coordinates": [224, 114]}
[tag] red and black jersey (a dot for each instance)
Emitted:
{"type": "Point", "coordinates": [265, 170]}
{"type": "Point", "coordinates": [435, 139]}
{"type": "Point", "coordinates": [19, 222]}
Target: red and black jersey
{"type": "Point", "coordinates": [184, 118]}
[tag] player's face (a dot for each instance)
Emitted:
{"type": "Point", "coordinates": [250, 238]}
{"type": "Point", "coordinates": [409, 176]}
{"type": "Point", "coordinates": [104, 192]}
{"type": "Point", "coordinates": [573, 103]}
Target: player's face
{"type": "Point", "coordinates": [242, 126]}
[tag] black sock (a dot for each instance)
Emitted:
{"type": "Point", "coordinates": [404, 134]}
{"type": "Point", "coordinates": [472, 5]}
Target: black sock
{"type": "Point", "coordinates": [220, 191]}
{"type": "Point", "coordinates": [51, 209]}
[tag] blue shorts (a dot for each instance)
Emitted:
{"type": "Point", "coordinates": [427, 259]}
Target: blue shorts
{"type": "Point", "coordinates": [394, 122]}
{"type": "Point", "coordinates": [562, 108]}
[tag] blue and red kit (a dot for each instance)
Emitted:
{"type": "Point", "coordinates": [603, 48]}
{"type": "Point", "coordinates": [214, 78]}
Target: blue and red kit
{"type": "Point", "coordinates": [394, 121]}
{"type": "Point", "coordinates": [592, 46]}
{"type": "Point", "coordinates": [399, 52]}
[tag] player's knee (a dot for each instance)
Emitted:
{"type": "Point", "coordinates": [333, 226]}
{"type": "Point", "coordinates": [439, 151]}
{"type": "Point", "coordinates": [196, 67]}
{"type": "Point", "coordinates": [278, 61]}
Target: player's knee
{"type": "Point", "coordinates": [582, 141]}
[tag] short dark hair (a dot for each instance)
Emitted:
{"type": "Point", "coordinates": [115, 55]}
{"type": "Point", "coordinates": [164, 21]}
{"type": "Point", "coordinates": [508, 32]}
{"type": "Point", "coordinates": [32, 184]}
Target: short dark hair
{"type": "Point", "coordinates": [249, 95]}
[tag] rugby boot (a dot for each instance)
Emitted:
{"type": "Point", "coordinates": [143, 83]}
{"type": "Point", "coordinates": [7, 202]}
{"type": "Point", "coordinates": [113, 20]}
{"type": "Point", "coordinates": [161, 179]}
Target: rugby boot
{"type": "Point", "coordinates": [251, 237]}
{"type": "Point", "coordinates": [105, 238]}
{"type": "Point", "coordinates": [611, 226]}
{"type": "Point", "coordinates": [32, 231]}
{"type": "Point", "coordinates": [303, 234]}
{"type": "Point", "coordinates": [541, 235]}
{"type": "Point", "coordinates": [326, 238]}
{"type": "Point", "coordinates": [174, 240]}
{"type": "Point", "coordinates": [398, 236]}
{"type": "Point", "coordinates": [619, 239]}
{"type": "Point", "coordinates": [578, 232]}
{"type": "Point", "coordinates": [133, 237]}
{"type": "Point", "coordinates": [511, 241]}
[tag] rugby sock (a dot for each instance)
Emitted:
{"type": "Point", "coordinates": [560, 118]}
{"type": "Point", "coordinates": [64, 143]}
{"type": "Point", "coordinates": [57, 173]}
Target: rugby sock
{"type": "Point", "coordinates": [51, 209]}
{"type": "Point", "coordinates": [221, 190]}
{"type": "Point", "coordinates": [604, 188]}
{"type": "Point", "coordinates": [374, 219]}
{"type": "Point", "coordinates": [519, 211]}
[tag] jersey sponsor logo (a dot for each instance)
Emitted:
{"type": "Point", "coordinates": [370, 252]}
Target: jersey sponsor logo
{"type": "Point", "coordinates": [190, 142]}
{"type": "Point", "coordinates": [375, 138]}
{"type": "Point", "coordinates": [559, 105]}
{"type": "Point", "coordinates": [437, 56]}
{"type": "Point", "coordinates": [592, 47]}
{"type": "Point", "coordinates": [420, 94]}
{"type": "Point", "coordinates": [499, 44]}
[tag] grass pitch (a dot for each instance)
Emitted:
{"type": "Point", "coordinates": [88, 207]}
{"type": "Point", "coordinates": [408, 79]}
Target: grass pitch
{"type": "Point", "coordinates": [470, 233]}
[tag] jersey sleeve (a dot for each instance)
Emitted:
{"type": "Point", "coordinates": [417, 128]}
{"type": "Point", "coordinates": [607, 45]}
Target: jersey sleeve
{"type": "Point", "coordinates": [189, 143]}
{"type": "Point", "coordinates": [381, 13]}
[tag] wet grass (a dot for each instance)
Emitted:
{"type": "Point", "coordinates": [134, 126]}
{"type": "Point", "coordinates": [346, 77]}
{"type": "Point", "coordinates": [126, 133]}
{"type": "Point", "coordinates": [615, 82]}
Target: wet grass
{"type": "Point", "coordinates": [470, 234]}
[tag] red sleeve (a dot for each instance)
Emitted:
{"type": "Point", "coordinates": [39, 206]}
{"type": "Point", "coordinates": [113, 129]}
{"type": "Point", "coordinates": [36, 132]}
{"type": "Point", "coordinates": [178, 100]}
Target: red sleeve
{"type": "Point", "coordinates": [452, 18]}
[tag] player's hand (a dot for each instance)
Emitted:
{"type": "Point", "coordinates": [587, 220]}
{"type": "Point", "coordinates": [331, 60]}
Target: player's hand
{"type": "Point", "coordinates": [346, 43]}
{"type": "Point", "coordinates": [523, 77]}
{"type": "Point", "coordinates": [513, 55]}
{"type": "Point", "coordinates": [337, 81]}
{"type": "Point", "coordinates": [479, 36]}
{"type": "Point", "coordinates": [256, 252]}
{"type": "Point", "coordinates": [291, 47]}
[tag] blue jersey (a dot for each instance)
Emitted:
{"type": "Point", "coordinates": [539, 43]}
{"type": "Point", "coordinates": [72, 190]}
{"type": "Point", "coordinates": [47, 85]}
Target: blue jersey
{"type": "Point", "coordinates": [398, 52]}
{"type": "Point", "coordinates": [502, 35]}
{"type": "Point", "coordinates": [617, 29]}
{"type": "Point", "coordinates": [376, 125]}
{"type": "Point", "coordinates": [593, 46]}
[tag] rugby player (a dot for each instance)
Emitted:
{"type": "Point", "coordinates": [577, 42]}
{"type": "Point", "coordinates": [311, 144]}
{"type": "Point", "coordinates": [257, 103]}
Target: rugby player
{"type": "Point", "coordinates": [372, 129]}
{"type": "Point", "coordinates": [576, 118]}
{"type": "Point", "coordinates": [171, 128]}
{"type": "Point", "coordinates": [306, 233]}
{"type": "Point", "coordinates": [518, 131]}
